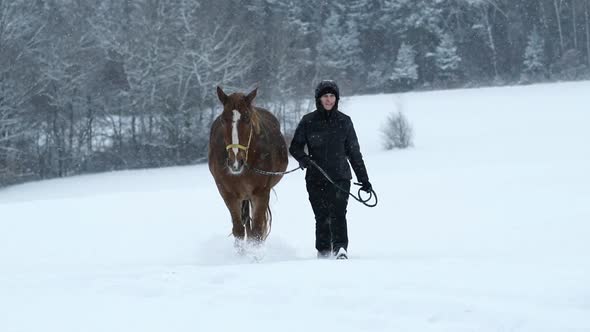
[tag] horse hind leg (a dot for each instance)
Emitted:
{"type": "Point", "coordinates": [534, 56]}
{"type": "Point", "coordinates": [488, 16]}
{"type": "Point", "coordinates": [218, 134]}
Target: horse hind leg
{"type": "Point", "coordinates": [262, 218]}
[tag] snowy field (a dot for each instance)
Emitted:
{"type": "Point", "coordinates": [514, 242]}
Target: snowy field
{"type": "Point", "coordinates": [483, 226]}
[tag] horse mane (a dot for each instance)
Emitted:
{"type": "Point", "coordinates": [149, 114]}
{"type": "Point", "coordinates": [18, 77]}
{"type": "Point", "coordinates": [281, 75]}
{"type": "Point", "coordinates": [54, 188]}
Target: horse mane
{"type": "Point", "coordinates": [262, 119]}
{"type": "Point", "coordinates": [255, 118]}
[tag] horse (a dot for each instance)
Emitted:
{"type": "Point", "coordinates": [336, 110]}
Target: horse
{"type": "Point", "coordinates": [244, 138]}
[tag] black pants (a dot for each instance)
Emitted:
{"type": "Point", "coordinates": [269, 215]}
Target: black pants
{"type": "Point", "coordinates": [329, 207]}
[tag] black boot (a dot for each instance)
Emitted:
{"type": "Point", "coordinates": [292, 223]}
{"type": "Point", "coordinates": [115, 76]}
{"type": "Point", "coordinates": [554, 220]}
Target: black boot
{"type": "Point", "coordinates": [324, 254]}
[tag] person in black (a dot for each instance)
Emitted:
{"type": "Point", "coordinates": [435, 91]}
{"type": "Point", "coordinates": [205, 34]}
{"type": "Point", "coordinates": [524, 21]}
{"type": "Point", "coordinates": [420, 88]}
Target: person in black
{"type": "Point", "coordinates": [332, 143]}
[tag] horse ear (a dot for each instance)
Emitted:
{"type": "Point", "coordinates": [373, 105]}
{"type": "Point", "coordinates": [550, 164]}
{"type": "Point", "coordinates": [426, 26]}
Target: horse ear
{"type": "Point", "coordinates": [250, 97]}
{"type": "Point", "coordinates": [221, 95]}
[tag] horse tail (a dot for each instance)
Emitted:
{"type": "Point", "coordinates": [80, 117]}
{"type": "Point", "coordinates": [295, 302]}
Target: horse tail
{"type": "Point", "coordinates": [268, 222]}
{"type": "Point", "coordinates": [246, 218]}
{"type": "Point", "coordinates": [269, 217]}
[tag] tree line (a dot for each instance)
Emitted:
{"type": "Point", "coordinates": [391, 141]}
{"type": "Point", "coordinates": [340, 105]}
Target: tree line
{"type": "Point", "coordinates": [120, 84]}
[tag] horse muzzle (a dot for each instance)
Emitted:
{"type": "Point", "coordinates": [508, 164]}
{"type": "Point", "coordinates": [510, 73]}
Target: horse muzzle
{"type": "Point", "coordinates": [236, 167]}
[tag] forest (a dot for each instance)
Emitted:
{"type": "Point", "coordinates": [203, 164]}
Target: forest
{"type": "Point", "coordinates": [90, 86]}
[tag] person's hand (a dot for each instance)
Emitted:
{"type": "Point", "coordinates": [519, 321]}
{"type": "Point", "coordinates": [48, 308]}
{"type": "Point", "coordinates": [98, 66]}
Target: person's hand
{"type": "Point", "coordinates": [304, 162]}
{"type": "Point", "coordinates": [366, 186]}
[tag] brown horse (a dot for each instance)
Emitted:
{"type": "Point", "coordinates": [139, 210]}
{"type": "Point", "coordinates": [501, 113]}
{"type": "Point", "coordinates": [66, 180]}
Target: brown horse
{"type": "Point", "coordinates": [245, 137]}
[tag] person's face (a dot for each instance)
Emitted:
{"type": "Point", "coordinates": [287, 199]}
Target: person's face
{"type": "Point", "coordinates": [328, 100]}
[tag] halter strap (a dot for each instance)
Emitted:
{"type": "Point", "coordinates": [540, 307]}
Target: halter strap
{"type": "Point", "coordinates": [237, 146]}
{"type": "Point", "coordinates": [240, 146]}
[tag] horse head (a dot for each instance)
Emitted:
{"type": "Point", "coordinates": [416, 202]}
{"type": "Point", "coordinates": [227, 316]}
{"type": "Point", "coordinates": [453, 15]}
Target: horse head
{"type": "Point", "coordinates": [237, 120]}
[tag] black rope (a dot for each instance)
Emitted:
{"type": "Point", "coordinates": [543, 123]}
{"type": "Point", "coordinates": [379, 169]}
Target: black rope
{"type": "Point", "coordinates": [259, 171]}
{"type": "Point", "coordinates": [357, 198]}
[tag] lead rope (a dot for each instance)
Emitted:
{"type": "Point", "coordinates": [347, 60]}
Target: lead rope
{"type": "Point", "coordinates": [357, 198]}
{"type": "Point", "coordinates": [259, 171]}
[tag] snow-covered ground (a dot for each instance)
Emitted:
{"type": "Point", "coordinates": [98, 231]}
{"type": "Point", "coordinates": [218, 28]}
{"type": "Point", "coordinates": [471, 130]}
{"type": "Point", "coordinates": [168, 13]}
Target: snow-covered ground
{"type": "Point", "coordinates": [483, 226]}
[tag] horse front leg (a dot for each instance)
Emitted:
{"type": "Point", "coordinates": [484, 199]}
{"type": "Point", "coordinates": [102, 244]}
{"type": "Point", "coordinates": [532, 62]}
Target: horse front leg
{"type": "Point", "coordinates": [260, 218]}
{"type": "Point", "coordinates": [234, 205]}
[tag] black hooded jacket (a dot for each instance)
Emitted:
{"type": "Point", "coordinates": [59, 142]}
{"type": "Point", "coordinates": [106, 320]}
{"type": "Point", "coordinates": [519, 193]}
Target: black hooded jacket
{"type": "Point", "coordinates": [332, 142]}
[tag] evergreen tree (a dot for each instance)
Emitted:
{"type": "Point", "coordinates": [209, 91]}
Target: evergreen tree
{"type": "Point", "coordinates": [534, 56]}
{"type": "Point", "coordinates": [447, 60]}
{"type": "Point", "coordinates": [419, 23]}
{"type": "Point", "coordinates": [405, 70]}
{"type": "Point", "coordinates": [379, 75]}
{"type": "Point", "coordinates": [338, 50]}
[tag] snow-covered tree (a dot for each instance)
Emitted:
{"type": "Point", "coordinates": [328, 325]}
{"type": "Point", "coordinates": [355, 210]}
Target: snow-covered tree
{"type": "Point", "coordinates": [21, 30]}
{"type": "Point", "coordinates": [534, 55]}
{"type": "Point", "coordinates": [130, 83]}
{"type": "Point", "coordinates": [447, 60]}
{"type": "Point", "coordinates": [405, 70]}
{"type": "Point", "coordinates": [338, 50]}
{"type": "Point", "coordinates": [379, 75]}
